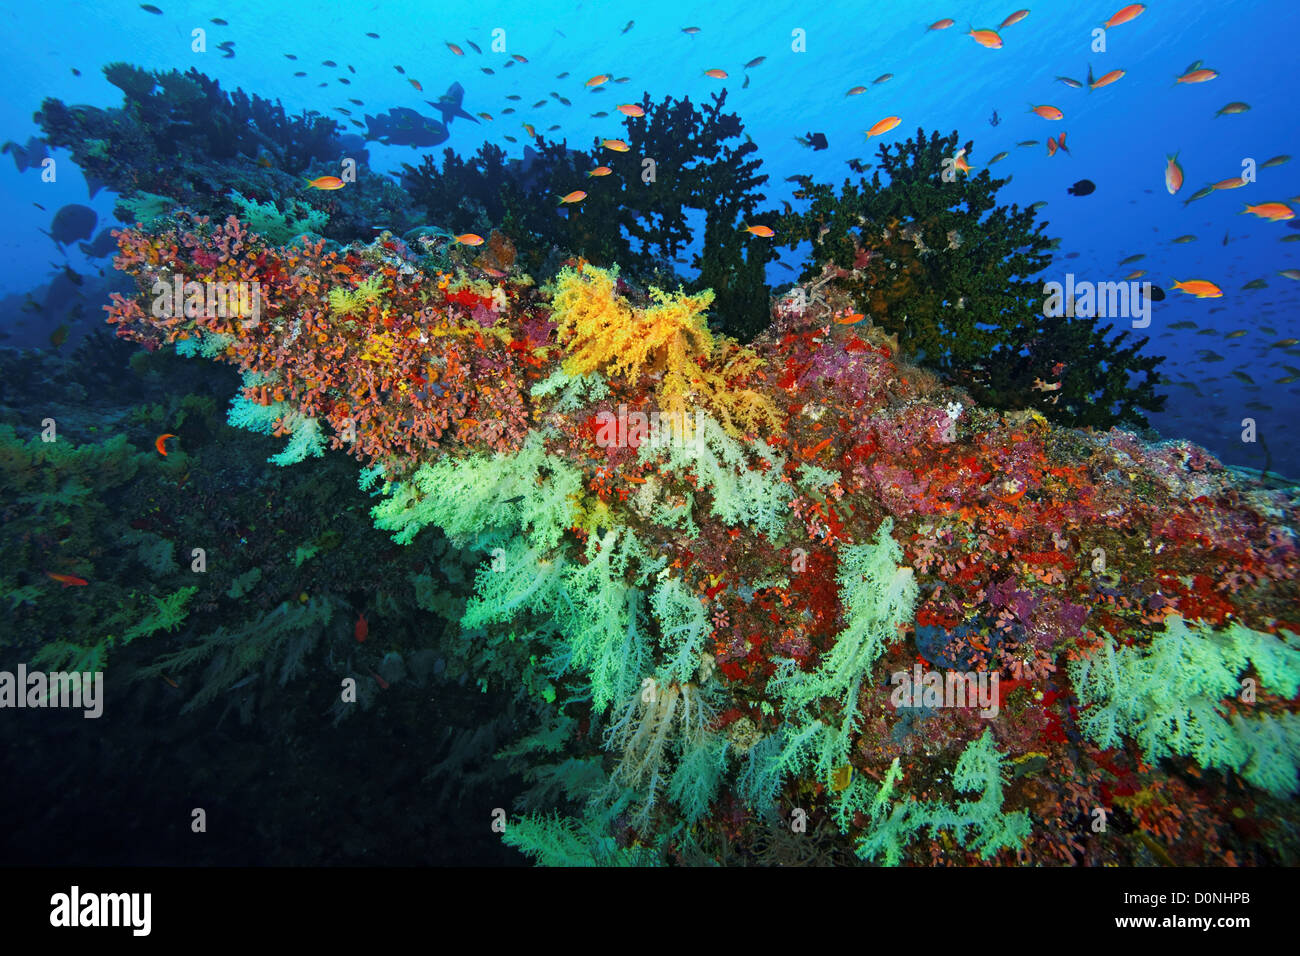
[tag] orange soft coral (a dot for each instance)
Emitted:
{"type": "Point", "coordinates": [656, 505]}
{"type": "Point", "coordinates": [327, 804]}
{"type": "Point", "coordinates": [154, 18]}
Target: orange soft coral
{"type": "Point", "coordinates": [669, 341]}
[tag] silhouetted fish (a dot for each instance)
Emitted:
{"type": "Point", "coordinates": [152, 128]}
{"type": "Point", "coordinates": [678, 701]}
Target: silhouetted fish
{"type": "Point", "coordinates": [405, 127]}
{"type": "Point", "coordinates": [1082, 188]}
{"type": "Point", "coordinates": [28, 156]}
{"type": "Point", "coordinates": [103, 244]}
{"type": "Point", "coordinates": [73, 222]}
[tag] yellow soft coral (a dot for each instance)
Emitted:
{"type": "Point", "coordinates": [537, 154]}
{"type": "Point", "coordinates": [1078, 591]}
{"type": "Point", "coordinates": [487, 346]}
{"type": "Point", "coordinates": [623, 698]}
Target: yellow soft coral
{"type": "Point", "coordinates": [670, 341]}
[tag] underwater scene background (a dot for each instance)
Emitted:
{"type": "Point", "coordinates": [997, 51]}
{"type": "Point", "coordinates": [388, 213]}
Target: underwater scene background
{"type": "Point", "coordinates": [742, 434]}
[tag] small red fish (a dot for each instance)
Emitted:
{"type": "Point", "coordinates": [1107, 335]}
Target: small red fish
{"type": "Point", "coordinates": [362, 630]}
{"type": "Point", "coordinates": [67, 580]}
{"type": "Point", "coordinates": [416, 84]}
{"type": "Point", "coordinates": [160, 443]}
{"type": "Point", "coordinates": [383, 684]}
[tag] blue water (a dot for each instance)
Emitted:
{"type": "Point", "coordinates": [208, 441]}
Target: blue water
{"type": "Point", "coordinates": [1119, 136]}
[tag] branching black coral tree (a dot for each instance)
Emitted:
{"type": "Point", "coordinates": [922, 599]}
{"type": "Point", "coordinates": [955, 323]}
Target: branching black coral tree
{"type": "Point", "coordinates": [930, 256]}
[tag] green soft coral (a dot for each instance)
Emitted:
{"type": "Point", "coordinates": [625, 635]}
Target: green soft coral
{"type": "Point", "coordinates": [1166, 697]}
{"type": "Point", "coordinates": [275, 226]}
{"type": "Point", "coordinates": [745, 492]}
{"type": "Point", "coordinates": [468, 496]}
{"type": "Point", "coordinates": [878, 594]}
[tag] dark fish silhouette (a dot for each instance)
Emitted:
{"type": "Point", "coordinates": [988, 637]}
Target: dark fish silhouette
{"type": "Point", "coordinates": [405, 127]}
{"type": "Point", "coordinates": [103, 244]}
{"type": "Point", "coordinates": [1083, 187]}
{"type": "Point", "coordinates": [1157, 294]}
{"type": "Point", "coordinates": [28, 156]}
{"type": "Point", "coordinates": [73, 222]}
{"type": "Point", "coordinates": [815, 140]}
{"type": "Point", "coordinates": [994, 120]}
{"type": "Point", "coordinates": [449, 104]}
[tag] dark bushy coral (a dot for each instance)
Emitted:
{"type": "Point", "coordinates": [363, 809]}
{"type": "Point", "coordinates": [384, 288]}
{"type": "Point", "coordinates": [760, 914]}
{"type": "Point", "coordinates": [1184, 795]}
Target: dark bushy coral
{"type": "Point", "coordinates": [182, 137]}
{"type": "Point", "coordinates": [934, 260]}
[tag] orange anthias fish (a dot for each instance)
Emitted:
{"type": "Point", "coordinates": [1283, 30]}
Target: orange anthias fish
{"type": "Point", "coordinates": [1051, 146]}
{"type": "Point", "coordinates": [959, 161]}
{"type": "Point", "coordinates": [617, 145]}
{"type": "Point", "coordinates": [160, 443]}
{"type": "Point", "coordinates": [631, 109]}
{"type": "Point", "coordinates": [576, 196]}
{"type": "Point", "coordinates": [1014, 19]}
{"type": "Point", "coordinates": [362, 630]}
{"type": "Point", "coordinates": [1236, 182]}
{"type": "Point", "coordinates": [857, 90]}
{"type": "Point", "coordinates": [1201, 288]}
{"type": "Point", "coordinates": [416, 84]}
{"type": "Point", "coordinates": [598, 80]}
{"type": "Point", "coordinates": [852, 318]}
{"type": "Point", "coordinates": [67, 580]}
{"type": "Point", "coordinates": [1272, 211]}
{"type": "Point", "coordinates": [326, 182]}
{"type": "Point", "coordinates": [716, 74]}
{"type": "Point", "coordinates": [1047, 112]}
{"type": "Point", "coordinates": [943, 24]}
{"type": "Point", "coordinates": [1197, 76]}
{"type": "Point", "coordinates": [987, 38]}
{"type": "Point", "coordinates": [884, 126]}
{"type": "Point", "coordinates": [1106, 79]}
{"type": "Point", "coordinates": [763, 231]}
{"type": "Point", "coordinates": [528, 127]}
{"type": "Point", "coordinates": [455, 49]}
{"type": "Point", "coordinates": [599, 171]}
{"type": "Point", "coordinates": [1173, 175]}
{"type": "Point", "coordinates": [1125, 14]}
{"type": "Point", "coordinates": [470, 239]}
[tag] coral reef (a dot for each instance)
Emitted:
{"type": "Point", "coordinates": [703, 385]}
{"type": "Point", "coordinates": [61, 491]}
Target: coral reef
{"type": "Point", "coordinates": [732, 607]}
{"type": "Point", "coordinates": [180, 140]}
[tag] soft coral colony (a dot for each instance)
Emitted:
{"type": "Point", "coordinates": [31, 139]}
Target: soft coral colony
{"type": "Point", "coordinates": [709, 616]}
